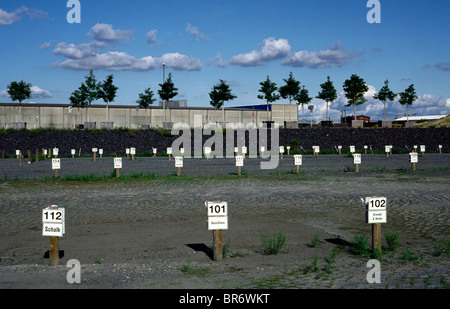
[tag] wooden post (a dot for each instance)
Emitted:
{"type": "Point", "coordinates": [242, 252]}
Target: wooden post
{"type": "Point", "coordinates": [217, 245]}
{"type": "Point", "coordinates": [117, 172]}
{"type": "Point", "coordinates": [54, 250]}
{"type": "Point", "coordinates": [56, 173]}
{"type": "Point", "coordinates": [239, 170]}
{"type": "Point", "coordinates": [37, 155]}
{"type": "Point", "coordinates": [95, 156]}
{"type": "Point", "coordinates": [20, 158]}
{"type": "Point", "coordinates": [413, 166]}
{"type": "Point", "coordinates": [357, 168]}
{"type": "Point", "coordinates": [178, 171]}
{"type": "Point", "coordinates": [29, 156]}
{"type": "Point", "coordinates": [297, 168]}
{"type": "Point", "coordinates": [376, 236]}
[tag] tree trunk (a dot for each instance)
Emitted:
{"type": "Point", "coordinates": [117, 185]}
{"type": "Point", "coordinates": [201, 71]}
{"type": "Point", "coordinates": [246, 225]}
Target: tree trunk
{"type": "Point", "coordinates": [107, 114]}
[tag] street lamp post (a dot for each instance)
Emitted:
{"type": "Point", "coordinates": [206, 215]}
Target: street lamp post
{"type": "Point", "coordinates": [311, 108]}
{"type": "Point", "coordinates": [164, 101]}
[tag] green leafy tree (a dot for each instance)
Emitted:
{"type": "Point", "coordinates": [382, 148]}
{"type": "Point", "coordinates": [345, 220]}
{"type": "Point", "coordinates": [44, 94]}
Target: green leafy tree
{"type": "Point", "coordinates": [19, 91]}
{"type": "Point", "coordinates": [91, 88]}
{"type": "Point", "coordinates": [303, 98]}
{"type": "Point", "coordinates": [146, 99]}
{"type": "Point", "coordinates": [220, 94]}
{"type": "Point", "coordinates": [268, 89]}
{"type": "Point", "coordinates": [385, 95]}
{"type": "Point", "coordinates": [328, 93]}
{"type": "Point", "coordinates": [407, 98]}
{"type": "Point", "coordinates": [108, 92]}
{"type": "Point", "coordinates": [291, 89]}
{"type": "Point", "coordinates": [354, 89]}
{"type": "Point", "coordinates": [78, 98]}
{"type": "Point", "coordinates": [167, 91]}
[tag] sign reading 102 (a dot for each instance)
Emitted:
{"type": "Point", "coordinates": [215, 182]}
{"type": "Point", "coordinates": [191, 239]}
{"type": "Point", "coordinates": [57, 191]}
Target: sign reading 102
{"type": "Point", "coordinates": [376, 203]}
{"type": "Point", "coordinates": [217, 209]}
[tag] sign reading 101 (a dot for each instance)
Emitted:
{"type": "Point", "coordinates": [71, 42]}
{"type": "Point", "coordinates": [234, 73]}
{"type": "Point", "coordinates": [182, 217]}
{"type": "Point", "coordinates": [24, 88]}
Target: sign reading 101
{"type": "Point", "coordinates": [217, 209]}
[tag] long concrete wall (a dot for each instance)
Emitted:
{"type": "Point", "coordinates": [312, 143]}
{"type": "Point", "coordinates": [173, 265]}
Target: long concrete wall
{"type": "Point", "coordinates": [60, 116]}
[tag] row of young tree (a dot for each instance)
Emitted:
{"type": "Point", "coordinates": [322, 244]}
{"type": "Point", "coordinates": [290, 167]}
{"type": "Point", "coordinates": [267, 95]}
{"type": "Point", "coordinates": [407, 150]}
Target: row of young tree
{"type": "Point", "coordinates": [354, 88]}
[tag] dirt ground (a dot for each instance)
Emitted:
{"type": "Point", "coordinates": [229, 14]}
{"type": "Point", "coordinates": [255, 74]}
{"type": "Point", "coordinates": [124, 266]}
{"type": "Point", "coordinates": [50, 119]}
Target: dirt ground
{"type": "Point", "coordinates": [150, 232]}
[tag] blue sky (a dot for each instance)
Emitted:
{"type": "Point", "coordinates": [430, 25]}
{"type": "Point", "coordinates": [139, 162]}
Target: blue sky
{"type": "Point", "coordinates": [242, 42]}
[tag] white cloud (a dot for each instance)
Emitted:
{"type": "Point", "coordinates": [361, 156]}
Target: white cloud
{"type": "Point", "coordinates": [334, 55]}
{"type": "Point", "coordinates": [195, 33]}
{"type": "Point", "coordinates": [105, 32]}
{"type": "Point", "coordinates": [444, 66]}
{"type": "Point", "coordinates": [217, 60]}
{"type": "Point", "coordinates": [45, 45]}
{"type": "Point", "coordinates": [271, 49]}
{"type": "Point", "coordinates": [151, 36]}
{"type": "Point", "coordinates": [36, 93]}
{"type": "Point", "coordinates": [8, 18]}
{"type": "Point", "coordinates": [81, 51]}
{"type": "Point", "coordinates": [121, 61]}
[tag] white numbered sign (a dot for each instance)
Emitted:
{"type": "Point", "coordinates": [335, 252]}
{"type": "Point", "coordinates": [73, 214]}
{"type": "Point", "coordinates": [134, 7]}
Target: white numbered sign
{"type": "Point", "coordinates": [422, 148]}
{"type": "Point", "coordinates": [94, 149]}
{"type": "Point", "coordinates": [217, 208]}
{"type": "Point", "coordinates": [117, 162]}
{"type": "Point", "coordinates": [281, 149]}
{"type": "Point", "coordinates": [178, 161]}
{"type": "Point", "coordinates": [169, 151]}
{"type": "Point", "coordinates": [56, 164]}
{"type": "Point", "coordinates": [357, 158]}
{"type": "Point", "coordinates": [316, 149]}
{"type": "Point", "coordinates": [376, 210]}
{"type": "Point", "coordinates": [53, 222]}
{"type": "Point", "coordinates": [413, 157]}
{"type": "Point", "coordinates": [72, 151]}
{"type": "Point", "coordinates": [244, 150]}
{"type": "Point", "coordinates": [127, 151]}
{"type": "Point", "coordinates": [217, 215]}
{"type": "Point", "coordinates": [207, 150]}
{"type": "Point", "coordinates": [352, 149]}
{"type": "Point", "coordinates": [55, 151]}
{"type": "Point", "coordinates": [133, 151]}
{"type": "Point", "coordinates": [297, 159]}
{"type": "Point", "coordinates": [239, 160]}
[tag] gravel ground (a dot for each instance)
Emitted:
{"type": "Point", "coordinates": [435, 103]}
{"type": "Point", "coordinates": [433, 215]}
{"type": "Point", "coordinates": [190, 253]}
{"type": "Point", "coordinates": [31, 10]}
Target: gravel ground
{"type": "Point", "coordinates": [151, 232]}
